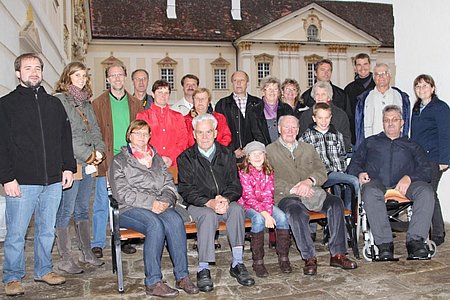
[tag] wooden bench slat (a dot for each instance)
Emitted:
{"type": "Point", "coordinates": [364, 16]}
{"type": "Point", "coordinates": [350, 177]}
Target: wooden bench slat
{"type": "Point", "coordinates": [126, 234]}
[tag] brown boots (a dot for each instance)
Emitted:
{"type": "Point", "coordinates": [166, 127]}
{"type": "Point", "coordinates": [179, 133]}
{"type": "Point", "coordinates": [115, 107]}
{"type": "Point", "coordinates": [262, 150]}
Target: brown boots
{"type": "Point", "coordinates": [283, 244]}
{"type": "Point", "coordinates": [282, 248]}
{"type": "Point", "coordinates": [257, 245]}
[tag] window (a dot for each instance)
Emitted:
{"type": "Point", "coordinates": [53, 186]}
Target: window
{"type": "Point", "coordinates": [311, 74]}
{"type": "Point", "coordinates": [107, 84]}
{"type": "Point", "coordinates": [167, 74]}
{"type": "Point", "coordinates": [312, 33]}
{"type": "Point", "coordinates": [263, 70]}
{"type": "Point", "coordinates": [220, 79]}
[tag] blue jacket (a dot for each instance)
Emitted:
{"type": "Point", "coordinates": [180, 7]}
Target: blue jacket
{"type": "Point", "coordinates": [389, 160]}
{"type": "Point", "coordinates": [431, 129]}
{"type": "Point", "coordinates": [359, 115]}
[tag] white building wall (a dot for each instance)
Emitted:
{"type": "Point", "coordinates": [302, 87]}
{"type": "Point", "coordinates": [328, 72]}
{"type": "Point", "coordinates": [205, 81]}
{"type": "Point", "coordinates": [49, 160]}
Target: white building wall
{"type": "Point", "coordinates": [421, 46]}
{"type": "Point", "coordinates": [49, 23]}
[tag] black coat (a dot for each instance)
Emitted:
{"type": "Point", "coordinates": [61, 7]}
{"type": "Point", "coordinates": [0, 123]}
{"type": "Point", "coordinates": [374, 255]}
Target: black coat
{"type": "Point", "coordinates": [258, 123]}
{"type": "Point", "coordinates": [35, 138]}
{"type": "Point", "coordinates": [199, 180]}
{"type": "Point", "coordinates": [240, 131]}
{"type": "Point", "coordinates": [353, 90]}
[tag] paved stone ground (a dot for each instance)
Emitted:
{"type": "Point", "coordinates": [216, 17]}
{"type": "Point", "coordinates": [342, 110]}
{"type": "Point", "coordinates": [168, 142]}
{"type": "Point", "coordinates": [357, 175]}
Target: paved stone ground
{"type": "Point", "coordinates": [391, 280]}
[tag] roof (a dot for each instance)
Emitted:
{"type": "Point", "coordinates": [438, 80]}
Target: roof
{"type": "Point", "coordinates": [201, 20]}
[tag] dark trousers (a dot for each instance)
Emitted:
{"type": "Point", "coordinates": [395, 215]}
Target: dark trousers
{"type": "Point", "coordinates": [298, 218]}
{"type": "Point", "coordinates": [437, 222]}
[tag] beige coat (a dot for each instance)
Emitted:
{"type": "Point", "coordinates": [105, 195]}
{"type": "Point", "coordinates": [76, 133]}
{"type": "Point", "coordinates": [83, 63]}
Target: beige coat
{"type": "Point", "coordinates": [290, 171]}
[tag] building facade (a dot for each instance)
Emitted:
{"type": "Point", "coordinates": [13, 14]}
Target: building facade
{"type": "Point", "coordinates": [173, 38]}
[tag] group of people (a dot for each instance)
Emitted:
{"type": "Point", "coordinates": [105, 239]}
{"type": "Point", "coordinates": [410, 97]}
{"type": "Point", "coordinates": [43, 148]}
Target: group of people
{"type": "Point", "coordinates": [265, 159]}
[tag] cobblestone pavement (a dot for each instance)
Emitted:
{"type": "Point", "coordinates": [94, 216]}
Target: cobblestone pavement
{"type": "Point", "coordinates": [383, 280]}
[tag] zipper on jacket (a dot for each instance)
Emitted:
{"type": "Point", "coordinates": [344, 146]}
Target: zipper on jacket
{"type": "Point", "coordinates": [42, 136]}
{"type": "Point", "coordinates": [214, 178]}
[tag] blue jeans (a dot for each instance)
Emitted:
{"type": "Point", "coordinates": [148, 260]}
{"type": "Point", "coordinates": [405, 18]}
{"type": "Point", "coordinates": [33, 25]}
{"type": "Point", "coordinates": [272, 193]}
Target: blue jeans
{"type": "Point", "coordinates": [344, 178]}
{"type": "Point", "coordinates": [259, 223]}
{"type": "Point", "coordinates": [100, 213]}
{"type": "Point", "coordinates": [159, 228]}
{"type": "Point", "coordinates": [44, 202]}
{"type": "Point", "coordinates": [75, 201]}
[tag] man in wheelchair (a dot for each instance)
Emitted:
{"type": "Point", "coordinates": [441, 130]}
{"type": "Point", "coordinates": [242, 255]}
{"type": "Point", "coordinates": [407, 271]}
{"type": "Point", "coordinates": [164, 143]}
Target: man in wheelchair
{"type": "Point", "coordinates": [389, 161]}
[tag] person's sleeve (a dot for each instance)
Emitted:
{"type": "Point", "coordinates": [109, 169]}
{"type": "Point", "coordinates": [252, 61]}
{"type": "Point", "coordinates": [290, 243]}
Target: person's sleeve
{"type": "Point", "coordinates": [422, 169]}
{"type": "Point", "coordinates": [357, 163]}
{"type": "Point", "coordinates": [443, 127]}
{"type": "Point", "coordinates": [69, 163]}
{"type": "Point", "coordinates": [233, 190]}
{"type": "Point", "coordinates": [224, 129]}
{"type": "Point", "coordinates": [6, 168]}
{"type": "Point", "coordinates": [186, 182]}
{"type": "Point", "coordinates": [95, 132]}
{"type": "Point", "coordinates": [168, 191]}
{"type": "Point", "coordinates": [123, 189]}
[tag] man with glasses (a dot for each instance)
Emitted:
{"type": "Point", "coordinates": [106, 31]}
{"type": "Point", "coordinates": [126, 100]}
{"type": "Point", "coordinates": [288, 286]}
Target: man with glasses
{"type": "Point", "coordinates": [389, 160]}
{"type": "Point", "coordinates": [299, 175]}
{"type": "Point", "coordinates": [169, 133]}
{"type": "Point", "coordinates": [114, 109]}
{"type": "Point", "coordinates": [140, 84]}
{"type": "Point", "coordinates": [370, 105]}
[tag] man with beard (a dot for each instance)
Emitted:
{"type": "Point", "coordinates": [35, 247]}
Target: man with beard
{"type": "Point", "coordinates": [36, 163]}
{"type": "Point", "coordinates": [189, 82]}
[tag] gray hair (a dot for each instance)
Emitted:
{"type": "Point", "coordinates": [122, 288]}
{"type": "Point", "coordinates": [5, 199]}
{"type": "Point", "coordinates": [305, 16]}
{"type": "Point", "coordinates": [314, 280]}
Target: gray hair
{"type": "Point", "coordinates": [382, 65]}
{"type": "Point", "coordinates": [323, 85]}
{"type": "Point", "coordinates": [269, 80]}
{"type": "Point", "coordinates": [395, 108]}
{"type": "Point", "coordinates": [204, 117]}
{"type": "Point", "coordinates": [280, 120]}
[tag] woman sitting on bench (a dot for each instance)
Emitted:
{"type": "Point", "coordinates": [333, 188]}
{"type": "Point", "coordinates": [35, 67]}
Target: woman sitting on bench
{"type": "Point", "coordinates": [146, 195]}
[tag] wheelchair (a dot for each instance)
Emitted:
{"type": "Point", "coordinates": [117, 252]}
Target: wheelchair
{"type": "Point", "coordinates": [399, 208]}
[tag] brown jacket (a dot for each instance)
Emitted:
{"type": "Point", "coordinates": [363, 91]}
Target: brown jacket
{"type": "Point", "coordinates": [102, 109]}
{"type": "Point", "coordinates": [289, 171]}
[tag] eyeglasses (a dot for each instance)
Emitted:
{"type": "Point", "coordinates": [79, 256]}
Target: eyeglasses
{"type": "Point", "coordinates": [395, 120]}
{"type": "Point", "coordinates": [141, 134]}
{"type": "Point", "coordinates": [116, 76]}
{"type": "Point", "coordinates": [382, 74]}
{"type": "Point", "coordinates": [290, 90]}
{"type": "Point", "coordinates": [422, 87]}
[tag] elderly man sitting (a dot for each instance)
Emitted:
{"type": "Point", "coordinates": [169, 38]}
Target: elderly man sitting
{"type": "Point", "coordinates": [299, 173]}
{"type": "Point", "coordinates": [209, 184]}
{"type": "Point", "coordinates": [388, 160]}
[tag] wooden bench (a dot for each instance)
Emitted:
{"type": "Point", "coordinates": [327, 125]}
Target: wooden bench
{"type": "Point", "coordinates": [190, 228]}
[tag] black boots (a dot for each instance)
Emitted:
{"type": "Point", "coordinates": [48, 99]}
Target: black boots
{"type": "Point", "coordinates": [283, 244]}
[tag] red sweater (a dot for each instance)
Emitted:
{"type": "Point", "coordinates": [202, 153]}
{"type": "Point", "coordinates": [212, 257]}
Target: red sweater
{"type": "Point", "coordinates": [223, 131]}
{"type": "Point", "coordinates": [168, 130]}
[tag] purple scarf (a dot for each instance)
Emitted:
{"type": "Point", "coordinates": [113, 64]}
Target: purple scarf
{"type": "Point", "coordinates": [270, 110]}
{"type": "Point", "coordinates": [79, 95]}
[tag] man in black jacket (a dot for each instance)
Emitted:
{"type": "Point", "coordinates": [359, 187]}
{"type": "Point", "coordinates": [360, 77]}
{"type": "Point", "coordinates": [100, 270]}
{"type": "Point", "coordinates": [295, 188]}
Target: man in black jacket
{"type": "Point", "coordinates": [389, 161]}
{"type": "Point", "coordinates": [323, 70]}
{"type": "Point", "coordinates": [363, 82]}
{"type": "Point", "coordinates": [234, 108]}
{"type": "Point", "coordinates": [209, 184]}
{"type": "Point", "coordinates": [36, 163]}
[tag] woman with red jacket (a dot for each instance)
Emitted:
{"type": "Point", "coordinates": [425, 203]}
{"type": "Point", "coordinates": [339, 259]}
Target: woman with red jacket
{"type": "Point", "coordinates": [202, 99]}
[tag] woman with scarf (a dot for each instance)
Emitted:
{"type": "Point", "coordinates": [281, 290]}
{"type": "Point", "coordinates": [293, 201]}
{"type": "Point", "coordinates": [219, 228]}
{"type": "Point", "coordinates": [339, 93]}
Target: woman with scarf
{"type": "Point", "coordinates": [263, 116]}
{"type": "Point", "coordinates": [146, 194]}
{"type": "Point", "coordinates": [74, 91]}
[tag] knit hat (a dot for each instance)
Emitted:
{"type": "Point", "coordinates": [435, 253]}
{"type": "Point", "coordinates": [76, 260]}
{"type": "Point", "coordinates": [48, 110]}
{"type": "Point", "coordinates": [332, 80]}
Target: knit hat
{"type": "Point", "coordinates": [254, 146]}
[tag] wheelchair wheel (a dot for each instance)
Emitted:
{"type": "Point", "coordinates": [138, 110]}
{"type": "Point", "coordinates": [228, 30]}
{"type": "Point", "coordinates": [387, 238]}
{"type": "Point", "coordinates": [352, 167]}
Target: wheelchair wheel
{"type": "Point", "coordinates": [432, 248]}
{"type": "Point", "coordinates": [367, 253]}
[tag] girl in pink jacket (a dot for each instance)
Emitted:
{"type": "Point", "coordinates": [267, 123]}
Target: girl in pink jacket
{"type": "Point", "coordinates": [256, 176]}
